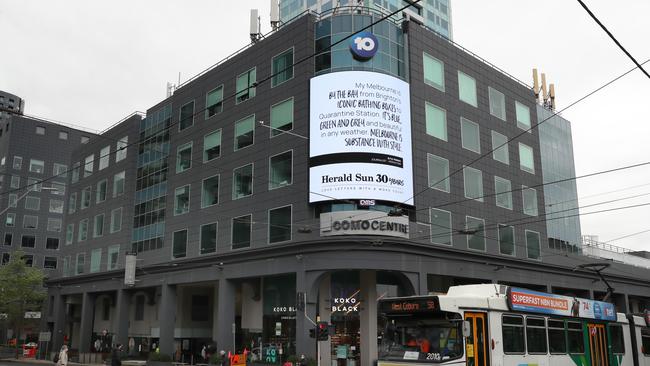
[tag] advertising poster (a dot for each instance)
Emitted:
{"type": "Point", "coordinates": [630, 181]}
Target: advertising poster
{"type": "Point", "coordinates": [545, 303]}
{"type": "Point", "coordinates": [360, 138]}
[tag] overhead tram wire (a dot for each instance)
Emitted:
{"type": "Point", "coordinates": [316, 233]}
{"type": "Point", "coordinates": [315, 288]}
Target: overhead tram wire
{"type": "Point", "coordinates": [628, 235]}
{"type": "Point", "coordinates": [598, 194]}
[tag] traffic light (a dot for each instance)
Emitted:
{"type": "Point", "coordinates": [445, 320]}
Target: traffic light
{"type": "Point", "coordinates": [312, 333]}
{"type": "Point", "coordinates": [322, 329]}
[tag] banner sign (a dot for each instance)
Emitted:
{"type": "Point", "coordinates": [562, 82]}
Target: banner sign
{"type": "Point", "coordinates": [363, 223]}
{"type": "Point", "coordinates": [540, 302]}
{"type": "Point", "coordinates": [360, 138]}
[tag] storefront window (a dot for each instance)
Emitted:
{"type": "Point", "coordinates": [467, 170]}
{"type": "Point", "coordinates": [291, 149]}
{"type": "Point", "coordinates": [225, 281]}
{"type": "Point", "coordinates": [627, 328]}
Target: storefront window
{"type": "Point", "coordinates": [279, 328]}
{"type": "Point", "coordinates": [345, 306]}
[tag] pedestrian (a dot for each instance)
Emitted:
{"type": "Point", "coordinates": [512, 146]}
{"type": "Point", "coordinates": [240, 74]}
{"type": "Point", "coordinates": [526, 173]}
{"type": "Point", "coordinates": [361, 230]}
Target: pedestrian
{"type": "Point", "coordinates": [116, 356]}
{"type": "Point", "coordinates": [204, 354]}
{"type": "Point", "coordinates": [63, 356]}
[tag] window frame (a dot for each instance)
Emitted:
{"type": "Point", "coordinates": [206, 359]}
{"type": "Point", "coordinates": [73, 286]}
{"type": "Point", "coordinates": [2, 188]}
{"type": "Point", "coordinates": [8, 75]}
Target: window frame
{"type": "Point", "coordinates": [220, 143]}
{"type": "Point", "coordinates": [508, 193]}
{"type": "Point", "coordinates": [448, 229]}
{"type": "Point", "coordinates": [446, 181]}
{"type": "Point", "coordinates": [216, 238]}
{"type": "Point", "coordinates": [207, 107]}
{"type": "Point", "coordinates": [279, 185]}
{"type": "Point", "coordinates": [274, 132]}
{"type": "Point", "coordinates": [539, 243]}
{"type": "Point", "coordinates": [460, 93]}
{"type": "Point", "coordinates": [181, 148]}
{"type": "Point", "coordinates": [431, 82]}
{"type": "Point", "coordinates": [273, 73]}
{"type": "Point", "coordinates": [492, 90]}
{"type": "Point", "coordinates": [480, 198]}
{"type": "Point", "coordinates": [250, 89]}
{"type": "Point", "coordinates": [189, 192]}
{"type": "Point", "coordinates": [482, 236]}
{"type": "Point", "coordinates": [234, 197]}
{"type": "Point", "coordinates": [180, 115]}
{"type": "Point", "coordinates": [514, 239]}
{"type": "Point", "coordinates": [522, 125]}
{"type": "Point", "coordinates": [268, 231]}
{"type": "Point", "coordinates": [232, 232]}
{"type": "Point", "coordinates": [203, 190]}
{"type": "Point", "coordinates": [466, 122]}
{"type": "Point", "coordinates": [444, 113]}
{"type": "Point", "coordinates": [532, 155]}
{"type": "Point", "coordinates": [112, 229]}
{"type": "Point", "coordinates": [252, 131]}
{"type": "Point", "coordinates": [173, 246]}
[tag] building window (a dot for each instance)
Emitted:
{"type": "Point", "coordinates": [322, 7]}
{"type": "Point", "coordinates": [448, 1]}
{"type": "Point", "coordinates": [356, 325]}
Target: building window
{"type": "Point", "coordinates": [182, 200]}
{"type": "Point", "coordinates": [282, 117]}
{"type": "Point", "coordinates": [209, 238]}
{"type": "Point", "coordinates": [120, 148]}
{"type": "Point", "coordinates": [6, 257]}
{"type": "Point", "coordinates": [500, 153]}
{"type": "Point", "coordinates": [18, 162]}
{"type": "Point", "coordinates": [210, 191]}
{"type": "Point", "coordinates": [60, 170]}
{"type": "Point", "coordinates": [52, 243]}
{"type": "Point", "coordinates": [10, 220]}
{"type": "Point", "coordinates": [15, 182]}
{"type": "Point", "coordinates": [503, 192]}
{"type": "Point", "coordinates": [184, 157]}
{"type": "Point", "coordinates": [475, 232]}
{"type": "Point", "coordinates": [63, 135]}
{"type": "Point", "coordinates": [523, 116]}
{"type": "Point", "coordinates": [59, 189]}
{"type": "Point", "coordinates": [102, 187]}
{"type": "Point", "coordinates": [532, 245]}
{"type": "Point", "coordinates": [85, 197]}
{"type": "Point", "coordinates": [470, 135]}
{"type": "Point", "coordinates": [186, 116]}
{"type": "Point", "coordinates": [69, 234]}
{"type": "Point", "coordinates": [434, 72]}
{"type": "Point", "coordinates": [280, 224]}
{"type": "Point", "coordinates": [84, 139]}
{"type": "Point", "coordinates": [32, 203]}
{"type": "Point", "coordinates": [36, 166]}
{"type": "Point", "coordinates": [98, 228]}
{"type": "Point", "coordinates": [50, 263]}
{"type": "Point", "coordinates": [526, 160]}
{"type": "Point", "coordinates": [214, 102]}
{"type": "Point", "coordinates": [244, 132]}
{"type": "Point", "coordinates": [13, 200]}
{"type": "Point", "coordinates": [81, 259]}
{"type": "Point", "coordinates": [29, 260]}
{"type": "Point", "coordinates": [436, 119]}
{"type": "Point", "coordinates": [242, 182]}
{"type": "Point", "coordinates": [212, 146]}
{"type": "Point", "coordinates": [34, 185]}
{"type": "Point", "coordinates": [282, 68]}
{"type": "Point", "coordinates": [246, 85]}
{"type": "Point", "coordinates": [441, 228]}
{"type": "Point", "coordinates": [72, 203]}
{"type": "Point", "coordinates": [76, 167]}
{"type": "Point", "coordinates": [118, 184]}
{"type": "Point", "coordinates": [139, 308]}
{"type": "Point", "coordinates": [88, 165]}
{"type": "Point", "coordinates": [438, 171]}
{"type": "Point", "coordinates": [497, 103]}
{"type": "Point", "coordinates": [113, 257]}
{"type": "Point", "coordinates": [280, 170]}
{"type": "Point", "coordinates": [179, 245]}
{"type": "Point", "coordinates": [8, 239]}
{"type": "Point", "coordinates": [30, 222]}
{"type": "Point", "coordinates": [28, 241]}
{"type": "Point", "coordinates": [40, 130]}
{"type": "Point", "coordinates": [241, 232]}
{"type": "Point", "coordinates": [104, 157]}
{"type": "Point", "coordinates": [116, 220]}
{"type": "Point", "coordinates": [54, 225]}
{"type": "Point", "coordinates": [95, 260]}
{"type": "Point", "coordinates": [529, 196]}
{"type": "Point", "coordinates": [473, 179]}
{"type": "Point", "coordinates": [83, 230]}
{"type": "Point", "coordinates": [506, 240]}
{"type": "Point", "coordinates": [56, 206]}
{"type": "Point", "coordinates": [467, 89]}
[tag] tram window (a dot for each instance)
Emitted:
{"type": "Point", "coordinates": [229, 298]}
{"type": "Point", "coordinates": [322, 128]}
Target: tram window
{"type": "Point", "coordinates": [556, 336]}
{"type": "Point", "coordinates": [536, 334]}
{"type": "Point", "coordinates": [576, 341]}
{"type": "Point", "coordinates": [616, 335]}
{"type": "Point", "coordinates": [513, 334]}
{"type": "Point", "coordinates": [645, 341]}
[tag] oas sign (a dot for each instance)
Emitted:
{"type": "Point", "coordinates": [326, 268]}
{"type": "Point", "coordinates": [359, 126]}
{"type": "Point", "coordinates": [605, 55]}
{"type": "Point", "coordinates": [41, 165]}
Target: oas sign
{"type": "Point", "coordinates": [363, 46]}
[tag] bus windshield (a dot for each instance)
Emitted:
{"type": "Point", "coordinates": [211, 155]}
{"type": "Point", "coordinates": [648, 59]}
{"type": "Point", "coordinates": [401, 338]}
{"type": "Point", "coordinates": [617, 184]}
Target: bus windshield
{"type": "Point", "coordinates": [433, 337]}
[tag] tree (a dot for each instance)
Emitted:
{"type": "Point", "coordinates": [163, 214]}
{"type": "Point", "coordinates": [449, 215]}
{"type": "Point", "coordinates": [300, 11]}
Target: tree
{"type": "Point", "coordinates": [21, 290]}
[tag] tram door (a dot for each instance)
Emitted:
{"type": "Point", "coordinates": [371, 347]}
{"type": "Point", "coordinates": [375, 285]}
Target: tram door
{"type": "Point", "coordinates": [476, 348]}
{"type": "Point", "coordinates": [598, 345]}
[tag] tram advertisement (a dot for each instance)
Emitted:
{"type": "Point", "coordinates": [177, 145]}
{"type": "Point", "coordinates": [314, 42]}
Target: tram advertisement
{"type": "Point", "coordinates": [545, 303]}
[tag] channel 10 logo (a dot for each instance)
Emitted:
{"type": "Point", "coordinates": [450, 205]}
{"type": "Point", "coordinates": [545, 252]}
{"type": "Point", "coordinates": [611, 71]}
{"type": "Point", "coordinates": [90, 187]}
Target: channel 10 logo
{"type": "Point", "coordinates": [363, 46]}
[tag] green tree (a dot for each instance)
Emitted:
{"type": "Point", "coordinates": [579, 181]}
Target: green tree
{"type": "Point", "coordinates": [21, 290]}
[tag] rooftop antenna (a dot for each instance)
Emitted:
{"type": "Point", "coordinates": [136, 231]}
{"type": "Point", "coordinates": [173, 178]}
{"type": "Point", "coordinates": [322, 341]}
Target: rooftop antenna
{"type": "Point", "coordinates": [551, 93]}
{"type": "Point", "coordinates": [544, 92]}
{"type": "Point", "coordinates": [255, 32]}
{"type": "Point", "coordinates": [170, 89]}
{"type": "Point", "coordinates": [535, 85]}
{"type": "Point", "coordinates": [275, 15]}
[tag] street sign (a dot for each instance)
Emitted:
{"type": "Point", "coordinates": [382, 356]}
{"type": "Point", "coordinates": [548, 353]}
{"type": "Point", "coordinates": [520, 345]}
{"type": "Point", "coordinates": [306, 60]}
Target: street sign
{"type": "Point", "coordinates": [32, 315]}
{"type": "Point", "coordinates": [44, 336]}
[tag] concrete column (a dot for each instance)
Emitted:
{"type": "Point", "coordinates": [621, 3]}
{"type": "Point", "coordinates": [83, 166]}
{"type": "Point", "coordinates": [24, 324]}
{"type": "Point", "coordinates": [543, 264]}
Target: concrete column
{"type": "Point", "coordinates": [368, 316]}
{"type": "Point", "coordinates": [167, 317]}
{"type": "Point", "coordinates": [304, 344]}
{"type": "Point", "coordinates": [122, 307]}
{"type": "Point", "coordinates": [422, 281]}
{"type": "Point", "coordinates": [215, 313]}
{"type": "Point", "coordinates": [325, 313]}
{"type": "Point", "coordinates": [59, 322]}
{"type": "Point", "coordinates": [87, 318]}
{"type": "Point", "coordinates": [226, 315]}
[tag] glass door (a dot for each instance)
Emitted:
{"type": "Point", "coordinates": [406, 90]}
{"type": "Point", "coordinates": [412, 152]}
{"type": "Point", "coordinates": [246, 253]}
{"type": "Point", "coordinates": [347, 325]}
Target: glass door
{"type": "Point", "coordinates": [476, 350]}
{"type": "Point", "coordinates": [598, 345]}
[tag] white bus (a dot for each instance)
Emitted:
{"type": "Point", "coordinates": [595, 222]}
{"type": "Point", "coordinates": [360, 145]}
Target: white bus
{"type": "Point", "coordinates": [481, 325]}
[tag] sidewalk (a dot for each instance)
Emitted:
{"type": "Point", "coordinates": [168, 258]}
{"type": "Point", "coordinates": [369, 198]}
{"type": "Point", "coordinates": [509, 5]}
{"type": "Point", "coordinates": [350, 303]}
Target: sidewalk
{"type": "Point", "coordinates": [32, 361]}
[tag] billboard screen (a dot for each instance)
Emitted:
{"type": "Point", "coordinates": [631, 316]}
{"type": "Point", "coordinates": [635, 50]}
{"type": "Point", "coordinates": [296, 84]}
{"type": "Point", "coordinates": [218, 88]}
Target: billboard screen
{"type": "Point", "coordinates": [360, 138]}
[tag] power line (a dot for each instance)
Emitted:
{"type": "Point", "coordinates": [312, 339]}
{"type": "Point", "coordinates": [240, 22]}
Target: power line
{"type": "Point", "coordinates": [598, 194]}
{"type": "Point", "coordinates": [627, 236]}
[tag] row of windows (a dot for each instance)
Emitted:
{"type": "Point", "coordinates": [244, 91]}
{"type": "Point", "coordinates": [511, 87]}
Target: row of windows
{"type": "Point", "coordinates": [34, 204]}
{"type": "Point", "coordinates": [100, 193]}
{"type": "Point", "coordinates": [78, 267]}
{"type": "Point", "coordinates": [31, 222]}
{"type": "Point", "coordinates": [48, 262]}
{"type": "Point", "coordinates": [37, 166]}
{"type": "Point", "coordinates": [63, 135]}
{"type": "Point", "coordinates": [104, 159]}
{"type": "Point", "coordinates": [29, 241]}
{"type": "Point", "coordinates": [442, 231]}
{"type": "Point", "coordinates": [98, 227]}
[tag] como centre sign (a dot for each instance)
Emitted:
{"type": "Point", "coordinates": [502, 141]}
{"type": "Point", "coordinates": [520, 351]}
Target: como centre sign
{"type": "Point", "coordinates": [360, 138]}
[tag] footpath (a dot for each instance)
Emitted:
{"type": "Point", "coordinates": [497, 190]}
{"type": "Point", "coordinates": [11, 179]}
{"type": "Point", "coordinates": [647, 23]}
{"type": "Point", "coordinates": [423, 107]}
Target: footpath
{"type": "Point", "coordinates": [32, 361]}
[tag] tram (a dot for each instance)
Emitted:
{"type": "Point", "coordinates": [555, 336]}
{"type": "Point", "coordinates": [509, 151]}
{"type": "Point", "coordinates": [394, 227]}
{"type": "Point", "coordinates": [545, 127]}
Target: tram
{"type": "Point", "coordinates": [481, 325]}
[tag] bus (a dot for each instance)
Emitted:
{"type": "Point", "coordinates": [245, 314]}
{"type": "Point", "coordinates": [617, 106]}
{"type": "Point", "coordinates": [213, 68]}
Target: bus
{"type": "Point", "coordinates": [490, 324]}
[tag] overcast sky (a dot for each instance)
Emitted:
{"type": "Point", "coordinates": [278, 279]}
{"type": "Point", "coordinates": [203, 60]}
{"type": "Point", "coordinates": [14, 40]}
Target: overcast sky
{"type": "Point", "coordinates": [91, 63]}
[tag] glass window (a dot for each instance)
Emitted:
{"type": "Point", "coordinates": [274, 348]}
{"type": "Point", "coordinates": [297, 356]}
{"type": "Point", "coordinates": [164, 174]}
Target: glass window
{"type": "Point", "coordinates": [184, 157]}
{"type": "Point", "coordinates": [513, 334]}
{"type": "Point", "coordinates": [56, 206]}
{"type": "Point", "coordinates": [32, 203]}
{"type": "Point", "coordinates": [13, 200]}
{"type": "Point", "coordinates": [282, 117]}
{"type": "Point", "coordinates": [212, 146]}
{"type": "Point", "coordinates": [104, 157]}
{"type": "Point", "coordinates": [506, 240]}
{"type": "Point", "coordinates": [532, 245]}
{"type": "Point", "coordinates": [8, 239]}
{"type": "Point", "coordinates": [280, 171]}
{"type": "Point", "coordinates": [116, 220]}
{"type": "Point", "coordinates": [438, 172]}
{"type": "Point", "coordinates": [210, 191]}
{"type": "Point", "coordinates": [436, 119]}
{"type": "Point", "coordinates": [186, 116]}
{"type": "Point", "coordinates": [182, 200]}
{"type": "Point", "coordinates": [59, 189]}
{"type": "Point", "coordinates": [85, 198]}
{"type": "Point", "coordinates": [81, 259]}
{"type": "Point", "coordinates": [179, 245]}
{"type": "Point", "coordinates": [575, 337]}
{"type": "Point", "coordinates": [246, 86]}
{"type": "Point", "coordinates": [72, 203]}
{"type": "Point", "coordinates": [244, 132]}
{"type": "Point", "coordinates": [118, 184]}
{"type": "Point", "coordinates": [28, 241]}
{"type": "Point", "coordinates": [645, 341]}
{"type": "Point", "coordinates": [280, 224]}
{"type": "Point", "coordinates": [5, 258]}
{"type": "Point", "coordinates": [441, 228]}
{"type": "Point", "coordinates": [616, 336]}
{"type": "Point", "coordinates": [40, 130]}
{"type": "Point", "coordinates": [556, 336]}
{"type": "Point", "coordinates": [241, 231]}
{"type": "Point", "coordinates": [434, 72]}
{"type": "Point", "coordinates": [529, 196]}
{"type": "Point", "coordinates": [523, 116]}
{"type": "Point", "coordinates": [18, 162]}
{"type": "Point", "coordinates": [536, 335]}
{"type": "Point", "coordinates": [36, 166]}
{"type": "Point", "coordinates": [113, 256]}
{"type": "Point", "coordinates": [34, 185]}
{"type": "Point", "coordinates": [282, 68]}
{"type": "Point", "coordinates": [467, 89]}
{"type": "Point", "coordinates": [95, 260]}
{"type": "Point", "coordinates": [84, 139]}
{"type": "Point", "coordinates": [10, 220]}
{"type": "Point", "coordinates": [242, 182]}
{"type": "Point", "coordinates": [88, 165]}
{"type": "Point", "coordinates": [63, 135]}
{"type": "Point", "coordinates": [54, 225]}
{"type": "Point", "coordinates": [98, 228]}
{"type": "Point", "coordinates": [49, 263]}
{"type": "Point", "coordinates": [69, 234]}
{"type": "Point", "coordinates": [497, 103]}
{"type": "Point", "coordinates": [475, 231]}
{"type": "Point", "coordinates": [503, 192]}
{"type": "Point", "coordinates": [60, 170]}
{"type": "Point", "coordinates": [83, 230]}
{"type": "Point", "coordinates": [214, 102]}
{"type": "Point", "coordinates": [15, 182]}
{"type": "Point", "coordinates": [121, 148]}
{"type": "Point", "coordinates": [526, 161]}
{"type": "Point", "coordinates": [470, 135]}
{"type": "Point", "coordinates": [209, 238]}
{"type": "Point", "coordinates": [75, 172]}
{"type": "Point", "coordinates": [473, 179]}
{"type": "Point", "coordinates": [102, 187]}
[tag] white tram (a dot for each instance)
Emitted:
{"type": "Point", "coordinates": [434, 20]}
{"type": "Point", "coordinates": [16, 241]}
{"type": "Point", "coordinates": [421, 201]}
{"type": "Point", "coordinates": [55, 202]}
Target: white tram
{"type": "Point", "coordinates": [480, 325]}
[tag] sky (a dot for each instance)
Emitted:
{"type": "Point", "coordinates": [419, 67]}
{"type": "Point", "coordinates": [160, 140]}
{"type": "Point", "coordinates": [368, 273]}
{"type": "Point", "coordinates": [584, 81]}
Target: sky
{"type": "Point", "coordinates": [91, 63]}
